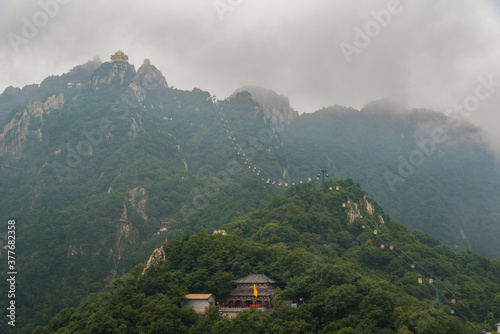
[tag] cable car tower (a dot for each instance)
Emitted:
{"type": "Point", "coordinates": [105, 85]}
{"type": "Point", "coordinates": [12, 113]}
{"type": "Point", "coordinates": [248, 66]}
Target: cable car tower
{"type": "Point", "coordinates": [322, 171]}
{"type": "Point", "coordinates": [436, 281]}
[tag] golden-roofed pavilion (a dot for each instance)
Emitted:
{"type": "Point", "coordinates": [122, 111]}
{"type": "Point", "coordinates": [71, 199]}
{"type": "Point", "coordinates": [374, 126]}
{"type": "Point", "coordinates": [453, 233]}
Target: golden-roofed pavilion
{"type": "Point", "coordinates": [119, 56]}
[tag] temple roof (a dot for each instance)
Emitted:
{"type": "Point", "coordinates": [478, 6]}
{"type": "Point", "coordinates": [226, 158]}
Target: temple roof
{"type": "Point", "coordinates": [119, 56]}
{"type": "Point", "coordinates": [256, 278]}
{"type": "Point", "coordinates": [249, 292]}
{"type": "Point", "coordinates": [203, 296]}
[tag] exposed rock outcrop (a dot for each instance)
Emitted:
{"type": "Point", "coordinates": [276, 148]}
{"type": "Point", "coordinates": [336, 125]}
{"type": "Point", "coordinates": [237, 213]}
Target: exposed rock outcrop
{"type": "Point", "coordinates": [138, 198]}
{"type": "Point", "coordinates": [126, 238]}
{"type": "Point", "coordinates": [147, 78]}
{"type": "Point", "coordinates": [108, 72]}
{"type": "Point", "coordinates": [74, 250]}
{"type": "Point", "coordinates": [369, 206]}
{"type": "Point", "coordinates": [156, 258]}
{"type": "Point", "coordinates": [353, 212]}
{"type": "Point", "coordinates": [138, 92]}
{"type": "Point", "coordinates": [150, 77]}
{"type": "Point", "coordinates": [381, 219]}
{"type": "Point", "coordinates": [134, 128]}
{"type": "Point", "coordinates": [124, 216]}
{"type": "Point", "coordinates": [27, 122]}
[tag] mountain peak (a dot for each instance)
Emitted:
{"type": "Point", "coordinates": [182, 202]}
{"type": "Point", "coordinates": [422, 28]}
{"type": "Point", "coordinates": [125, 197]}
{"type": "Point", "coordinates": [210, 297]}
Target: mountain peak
{"type": "Point", "coordinates": [118, 69]}
{"type": "Point", "coordinates": [385, 105]}
{"type": "Point", "coordinates": [149, 75]}
{"type": "Point", "coordinates": [275, 106]}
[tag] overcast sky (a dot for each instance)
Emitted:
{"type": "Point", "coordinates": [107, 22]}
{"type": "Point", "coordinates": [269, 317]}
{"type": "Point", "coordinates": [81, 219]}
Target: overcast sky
{"type": "Point", "coordinates": [425, 53]}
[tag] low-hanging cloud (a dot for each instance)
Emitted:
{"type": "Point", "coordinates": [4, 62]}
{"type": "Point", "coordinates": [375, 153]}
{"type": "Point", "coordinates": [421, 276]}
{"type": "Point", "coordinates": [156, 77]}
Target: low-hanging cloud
{"type": "Point", "coordinates": [429, 55]}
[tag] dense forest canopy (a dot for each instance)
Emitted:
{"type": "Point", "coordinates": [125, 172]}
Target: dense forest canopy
{"type": "Point", "coordinates": [304, 239]}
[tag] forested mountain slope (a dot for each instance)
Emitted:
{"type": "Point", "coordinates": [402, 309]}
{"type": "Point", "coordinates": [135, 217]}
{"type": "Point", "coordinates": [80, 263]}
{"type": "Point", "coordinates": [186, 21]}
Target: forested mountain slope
{"type": "Point", "coordinates": [320, 251]}
{"type": "Point", "coordinates": [429, 171]}
{"type": "Point", "coordinates": [88, 174]}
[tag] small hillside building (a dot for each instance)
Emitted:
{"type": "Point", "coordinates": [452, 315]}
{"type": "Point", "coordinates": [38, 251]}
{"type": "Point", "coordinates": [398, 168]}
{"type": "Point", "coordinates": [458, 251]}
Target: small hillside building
{"type": "Point", "coordinates": [74, 84]}
{"type": "Point", "coordinates": [164, 221]}
{"type": "Point", "coordinates": [200, 301]}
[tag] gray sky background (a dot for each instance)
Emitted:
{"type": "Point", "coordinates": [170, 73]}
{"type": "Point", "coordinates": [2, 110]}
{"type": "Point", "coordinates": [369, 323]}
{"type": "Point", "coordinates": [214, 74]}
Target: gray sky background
{"type": "Point", "coordinates": [430, 55]}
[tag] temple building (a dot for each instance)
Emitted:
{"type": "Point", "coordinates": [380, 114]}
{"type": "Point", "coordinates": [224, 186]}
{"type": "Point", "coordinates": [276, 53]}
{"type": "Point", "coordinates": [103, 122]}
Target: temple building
{"type": "Point", "coordinates": [119, 57]}
{"type": "Point", "coordinates": [254, 290]}
{"type": "Point", "coordinates": [74, 84]}
{"type": "Point", "coordinates": [200, 301]}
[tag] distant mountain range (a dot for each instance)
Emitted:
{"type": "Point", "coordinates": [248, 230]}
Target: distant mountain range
{"type": "Point", "coordinates": [427, 172]}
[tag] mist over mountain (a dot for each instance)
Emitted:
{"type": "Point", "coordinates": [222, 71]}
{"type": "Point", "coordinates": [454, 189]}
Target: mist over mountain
{"type": "Point", "coordinates": [276, 106]}
{"type": "Point", "coordinates": [421, 54]}
{"type": "Point", "coordinates": [94, 161]}
{"type": "Point", "coordinates": [13, 97]}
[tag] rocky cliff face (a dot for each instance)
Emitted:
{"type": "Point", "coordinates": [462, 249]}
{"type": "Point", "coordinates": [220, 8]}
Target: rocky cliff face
{"type": "Point", "coordinates": [158, 256]}
{"type": "Point", "coordinates": [275, 106]}
{"type": "Point", "coordinates": [108, 73]}
{"type": "Point", "coordinates": [150, 77]}
{"type": "Point", "coordinates": [147, 78]}
{"type": "Point", "coordinates": [26, 126]}
{"type": "Point", "coordinates": [28, 122]}
{"type": "Point", "coordinates": [127, 239]}
{"type": "Point", "coordinates": [138, 198]}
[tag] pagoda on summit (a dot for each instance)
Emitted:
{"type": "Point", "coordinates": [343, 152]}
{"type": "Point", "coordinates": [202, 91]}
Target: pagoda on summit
{"type": "Point", "coordinates": [119, 57]}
